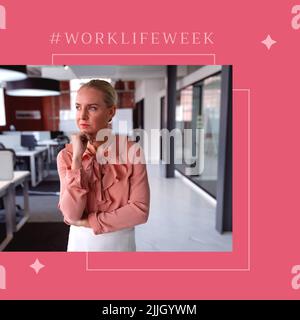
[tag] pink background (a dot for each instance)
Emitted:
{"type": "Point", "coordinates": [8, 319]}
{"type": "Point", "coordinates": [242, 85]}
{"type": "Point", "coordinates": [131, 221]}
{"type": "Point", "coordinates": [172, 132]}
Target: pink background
{"type": "Point", "coordinates": [260, 265]}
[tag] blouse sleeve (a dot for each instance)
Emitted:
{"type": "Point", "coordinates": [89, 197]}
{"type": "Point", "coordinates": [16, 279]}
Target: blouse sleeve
{"type": "Point", "coordinates": [135, 212]}
{"type": "Point", "coordinates": [73, 190]}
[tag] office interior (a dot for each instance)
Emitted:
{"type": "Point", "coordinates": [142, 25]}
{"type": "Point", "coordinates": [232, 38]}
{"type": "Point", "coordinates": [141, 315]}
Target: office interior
{"type": "Point", "coordinates": [188, 211]}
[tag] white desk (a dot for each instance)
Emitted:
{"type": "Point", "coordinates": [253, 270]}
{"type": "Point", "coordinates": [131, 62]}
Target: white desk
{"type": "Point", "coordinates": [21, 177]}
{"type": "Point", "coordinates": [35, 155]}
{"type": "Point", "coordinates": [50, 142]}
{"type": "Point", "coordinates": [7, 192]}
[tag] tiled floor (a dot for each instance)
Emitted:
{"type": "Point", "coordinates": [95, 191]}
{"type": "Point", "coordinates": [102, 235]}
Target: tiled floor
{"type": "Point", "coordinates": [180, 218]}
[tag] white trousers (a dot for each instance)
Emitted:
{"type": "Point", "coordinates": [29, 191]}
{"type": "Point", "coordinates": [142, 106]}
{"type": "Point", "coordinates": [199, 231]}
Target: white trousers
{"type": "Point", "coordinates": [83, 239]}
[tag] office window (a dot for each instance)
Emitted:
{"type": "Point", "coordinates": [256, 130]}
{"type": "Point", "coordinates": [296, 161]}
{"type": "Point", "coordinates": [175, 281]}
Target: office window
{"type": "Point", "coordinates": [2, 108]}
{"type": "Point", "coordinates": [210, 115]}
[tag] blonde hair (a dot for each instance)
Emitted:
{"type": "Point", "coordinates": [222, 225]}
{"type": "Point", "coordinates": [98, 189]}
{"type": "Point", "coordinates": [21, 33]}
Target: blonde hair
{"type": "Point", "coordinates": [110, 96]}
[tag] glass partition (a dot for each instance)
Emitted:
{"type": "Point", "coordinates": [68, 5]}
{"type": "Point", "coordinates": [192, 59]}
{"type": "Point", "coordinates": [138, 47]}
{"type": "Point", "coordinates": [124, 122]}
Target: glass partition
{"type": "Point", "coordinates": [198, 107]}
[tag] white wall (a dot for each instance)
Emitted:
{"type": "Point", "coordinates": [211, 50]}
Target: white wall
{"type": "Point", "coordinates": [149, 91]}
{"type": "Point", "coordinates": [67, 125]}
{"type": "Point", "coordinates": [122, 121]}
{"type": "Point", "coordinates": [139, 90]}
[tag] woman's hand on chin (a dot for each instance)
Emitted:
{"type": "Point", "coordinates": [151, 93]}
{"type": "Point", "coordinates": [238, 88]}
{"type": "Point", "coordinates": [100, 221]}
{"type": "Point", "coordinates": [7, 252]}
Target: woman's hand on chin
{"type": "Point", "coordinates": [79, 142]}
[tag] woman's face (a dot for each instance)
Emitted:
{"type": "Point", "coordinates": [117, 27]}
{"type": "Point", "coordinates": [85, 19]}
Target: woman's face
{"type": "Point", "coordinates": [92, 113]}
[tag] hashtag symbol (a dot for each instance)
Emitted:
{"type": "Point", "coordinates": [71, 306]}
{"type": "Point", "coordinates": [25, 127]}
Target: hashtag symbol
{"type": "Point", "coordinates": [55, 38]}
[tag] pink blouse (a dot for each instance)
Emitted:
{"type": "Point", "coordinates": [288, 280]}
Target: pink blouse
{"type": "Point", "coordinates": [111, 196]}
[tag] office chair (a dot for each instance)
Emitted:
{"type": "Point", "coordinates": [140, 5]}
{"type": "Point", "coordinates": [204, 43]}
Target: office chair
{"type": "Point", "coordinates": [2, 147]}
{"type": "Point", "coordinates": [18, 163]}
{"type": "Point", "coordinates": [62, 138]}
{"type": "Point", "coordinates": [55, 134]}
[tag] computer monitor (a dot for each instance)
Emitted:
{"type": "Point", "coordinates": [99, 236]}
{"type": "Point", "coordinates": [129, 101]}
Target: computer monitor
{"type": "Point", "coordinates": [28, 141]}
{"type": "Point", "coordinates": [55, 134]}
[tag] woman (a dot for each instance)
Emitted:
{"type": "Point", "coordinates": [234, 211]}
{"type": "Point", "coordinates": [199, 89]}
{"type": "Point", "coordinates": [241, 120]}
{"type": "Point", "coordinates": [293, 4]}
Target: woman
{"type": "Point", "coordinates": [101, 201]}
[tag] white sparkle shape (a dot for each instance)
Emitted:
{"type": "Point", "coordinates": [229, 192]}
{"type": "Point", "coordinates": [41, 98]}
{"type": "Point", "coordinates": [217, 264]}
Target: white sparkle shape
{"type": "Point", "coordinates": [37, 266]}
{"type": "Point", "coordinates": [268, 42]}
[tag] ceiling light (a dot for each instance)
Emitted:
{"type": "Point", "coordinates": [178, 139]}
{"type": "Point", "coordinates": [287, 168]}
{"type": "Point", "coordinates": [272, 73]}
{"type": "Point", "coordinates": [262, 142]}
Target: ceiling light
{"type": "Point", "coordinates": [12, 73]}
{"type": "Point", "coordinates": [33, 87]}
